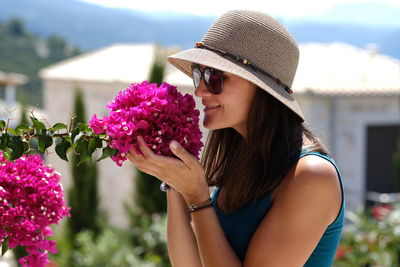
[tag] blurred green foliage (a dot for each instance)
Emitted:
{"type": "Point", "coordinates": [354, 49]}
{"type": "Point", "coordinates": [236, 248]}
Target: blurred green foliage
{"type": "Point", "coordinates": [83, 195]}
{"type": "Point", "coordinates": [372, 238]}
{"type": "Point", "coordinates": [143, 245]}
{"type": "Point", "coordinates": [23, 52]}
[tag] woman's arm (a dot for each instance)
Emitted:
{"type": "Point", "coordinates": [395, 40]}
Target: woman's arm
{"type": "Point", "coordinates": [214, 248]}
{"type": "Point", "coordinates": [306, 204]}
{"type": "Point", "coordinates": [186, 176]}
{"type": "Point", "coordinates": [182, 247]}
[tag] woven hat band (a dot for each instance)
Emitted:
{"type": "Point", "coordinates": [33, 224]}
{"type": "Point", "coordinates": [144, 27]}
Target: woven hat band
{"type": "Point", "coordinates": [258, 38]}
{"type": "Point", "coordinates": [245, 62]}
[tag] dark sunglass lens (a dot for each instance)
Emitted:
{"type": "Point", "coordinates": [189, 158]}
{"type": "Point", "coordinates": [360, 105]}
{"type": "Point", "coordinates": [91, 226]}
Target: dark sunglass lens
{"type": "Point", "coordinates": [213, 79]}
{"type": "Point", "coordinates": [196, 74]}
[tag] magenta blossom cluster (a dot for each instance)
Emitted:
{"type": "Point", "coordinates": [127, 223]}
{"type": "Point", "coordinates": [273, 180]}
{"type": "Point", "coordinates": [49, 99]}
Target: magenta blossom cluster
{"type": "Point", "coordinates": [158, 114]}
{"type": "Point", "coordinates": [31, 199]}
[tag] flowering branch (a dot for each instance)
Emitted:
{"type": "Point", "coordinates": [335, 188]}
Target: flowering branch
{"type": "Point", "coordinates": [81, 139]}
{"type": "Point", "coordinates": [158, 114]}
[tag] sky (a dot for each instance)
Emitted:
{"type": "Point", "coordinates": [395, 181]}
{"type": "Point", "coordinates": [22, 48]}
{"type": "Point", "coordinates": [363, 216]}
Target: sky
{"type": "Point", "coordinates": [282, 8]}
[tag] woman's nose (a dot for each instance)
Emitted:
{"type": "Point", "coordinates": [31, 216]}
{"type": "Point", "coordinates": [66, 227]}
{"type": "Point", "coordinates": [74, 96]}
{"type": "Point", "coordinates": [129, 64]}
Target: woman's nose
{"type": "Point", "coordinates": [201, 90]}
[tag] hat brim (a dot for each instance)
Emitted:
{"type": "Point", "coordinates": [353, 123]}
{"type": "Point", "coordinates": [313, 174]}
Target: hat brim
{"type": "Point", "coordinates": [183, 60]}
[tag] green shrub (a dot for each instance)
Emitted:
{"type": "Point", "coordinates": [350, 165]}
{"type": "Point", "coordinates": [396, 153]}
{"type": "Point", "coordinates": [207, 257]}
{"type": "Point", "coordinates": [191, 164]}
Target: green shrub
{"type": "Point", "coordinates": [371, 239]}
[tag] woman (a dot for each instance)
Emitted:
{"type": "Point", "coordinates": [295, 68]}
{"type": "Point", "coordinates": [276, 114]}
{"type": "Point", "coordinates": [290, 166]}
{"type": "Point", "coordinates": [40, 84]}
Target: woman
{"type": "Point", "coordinates": [278, 199]}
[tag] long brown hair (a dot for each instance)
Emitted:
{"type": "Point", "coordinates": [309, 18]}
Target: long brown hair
{"type": "Point", "coordinates": [249, 167]}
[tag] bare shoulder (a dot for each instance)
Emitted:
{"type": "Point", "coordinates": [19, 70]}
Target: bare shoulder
{"type": "Point", "coordinates": [313, 168]}
{"type": "Point", "coordinates": [312, 179]}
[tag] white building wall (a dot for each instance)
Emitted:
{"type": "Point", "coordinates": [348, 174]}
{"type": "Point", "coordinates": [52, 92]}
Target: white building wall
{"type": "Point", "coordinates": [343, 122]}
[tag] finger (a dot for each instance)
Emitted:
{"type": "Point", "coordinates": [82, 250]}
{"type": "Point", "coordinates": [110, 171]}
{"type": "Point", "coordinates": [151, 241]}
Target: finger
{"type": "Point", "coordinates": [142, 167]}
{"type": "Point", "coordinates": [146, 151]}
{"type": "Point", "coordinates": [182, 153]}
{"type": "Point", "coordinates": [149, 155]}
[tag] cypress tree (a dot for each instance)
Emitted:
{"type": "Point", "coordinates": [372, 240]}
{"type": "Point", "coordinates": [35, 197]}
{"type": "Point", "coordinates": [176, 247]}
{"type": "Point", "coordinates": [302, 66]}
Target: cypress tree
{"type": "Point", "coordinates": [23, 116]}
{"type": "Point", "coordinates": [82, 196]}
{"type": "Point", "coordinates": [148, 196]}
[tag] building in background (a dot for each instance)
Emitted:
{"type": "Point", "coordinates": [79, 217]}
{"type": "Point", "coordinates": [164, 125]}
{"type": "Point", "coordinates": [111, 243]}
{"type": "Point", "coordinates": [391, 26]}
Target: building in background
{"type": "Point", "coordinates": [8, 91]}
{"type": "Point", "coordinates": [350, 97]}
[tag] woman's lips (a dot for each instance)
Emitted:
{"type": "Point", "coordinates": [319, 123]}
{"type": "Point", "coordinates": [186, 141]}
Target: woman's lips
{"type": "Point", "coordinates": [207, 108]}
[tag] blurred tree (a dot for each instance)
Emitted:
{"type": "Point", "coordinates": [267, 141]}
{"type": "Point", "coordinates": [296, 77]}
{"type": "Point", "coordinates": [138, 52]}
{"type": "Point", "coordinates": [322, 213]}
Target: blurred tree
{"type": "Point", "coordinates": [16, 27]}
{"type": "Point", "coordinates": [23, 116]}
{"type": "Point", "coordinates": [83, 196]}
{"type": "Point", "coordinates": [158, 67]}
{"type": "Point", "coordinates": [59, 49]}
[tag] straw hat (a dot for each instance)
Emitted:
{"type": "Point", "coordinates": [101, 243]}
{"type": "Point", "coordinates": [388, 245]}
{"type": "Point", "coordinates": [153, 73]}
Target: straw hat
{"type": "Point", "coordinates": [251, 45]}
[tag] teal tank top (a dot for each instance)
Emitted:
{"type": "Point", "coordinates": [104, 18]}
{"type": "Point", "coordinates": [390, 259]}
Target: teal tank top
{"type": "Point", "coordinates": [240, 225]}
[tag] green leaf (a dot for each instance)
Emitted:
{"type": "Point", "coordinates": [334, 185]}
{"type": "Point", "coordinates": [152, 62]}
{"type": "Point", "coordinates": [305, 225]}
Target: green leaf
{"type": "Point", "coordinates": [58, 126]}
{"type": "Point", "coordinates": [82, 148]}
{"type": "Point", "coordinates": [62, 145]}
{"type": "Point", "coordinates": [108, 152]}
{"type": "Point", "coordinates": [2, 125]}
{"type": "Point", "coordinates": [74, 133]}
{"type": "Point", "coordinates": [11, 131]}
{"type": "Point", "coordinates": [78, 137]}
{"type": "Point", "coordinates": [38, 125]}
{"type": "Point", "coordinates": [83, 127]}
{"type": "Point", "coordinates": [4, 247]}
{"type": "Point", "coordinates": [4, 140]}
{"type": "Point", "coordinates": [21, 129]}
{"type": "Point", "coordinates": [68, 139]}
{"type": "Point", "coordinates": [17, 147]}
{"type": "Point", "coordinates": [45, 141]}
{"type": "Point", "coordinates": [7, 152]}
{"type": "Point", "coordinates": [26, 146]}
{"type": "Point", "coordinates": [72, 147]}
{"type": "Point", "coordinates": [94, 144]}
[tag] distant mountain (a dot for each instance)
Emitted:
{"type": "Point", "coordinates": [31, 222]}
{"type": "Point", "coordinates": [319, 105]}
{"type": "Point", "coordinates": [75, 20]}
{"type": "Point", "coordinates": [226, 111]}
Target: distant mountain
{"type": "Point", "coordinates": [90, 26]}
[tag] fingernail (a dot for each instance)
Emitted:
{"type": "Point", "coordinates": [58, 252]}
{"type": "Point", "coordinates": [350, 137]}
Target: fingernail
{"type": "Point", "coordinates": [174, 145]}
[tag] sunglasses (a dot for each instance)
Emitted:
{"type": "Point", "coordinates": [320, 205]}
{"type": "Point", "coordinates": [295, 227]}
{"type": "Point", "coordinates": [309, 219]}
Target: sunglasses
{"type": "Point", "coordinates": [213, 78]}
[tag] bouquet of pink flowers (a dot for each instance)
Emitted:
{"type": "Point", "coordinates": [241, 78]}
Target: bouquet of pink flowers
{"type": "Point", "coordinates": [158, 114]}
{"type": "Point", "coordinates": [31, 199]}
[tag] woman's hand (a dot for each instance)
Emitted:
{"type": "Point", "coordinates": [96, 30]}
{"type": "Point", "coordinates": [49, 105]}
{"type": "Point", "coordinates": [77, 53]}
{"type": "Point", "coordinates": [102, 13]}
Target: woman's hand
{"type": "Point", "coordinates": [184, 173]}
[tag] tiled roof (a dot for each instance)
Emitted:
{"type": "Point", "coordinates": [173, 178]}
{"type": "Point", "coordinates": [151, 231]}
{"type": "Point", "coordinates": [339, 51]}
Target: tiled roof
{"type": "Point", "coordinates": [341, 69]}
{"type": "Point", "coordinates": [115, 63]}
{"type": "Point", "coordinates": [12, 78]}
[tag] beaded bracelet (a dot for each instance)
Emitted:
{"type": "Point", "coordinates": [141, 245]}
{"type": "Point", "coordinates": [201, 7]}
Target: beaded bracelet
{"type": "Point", "coordinates": [202, 205]}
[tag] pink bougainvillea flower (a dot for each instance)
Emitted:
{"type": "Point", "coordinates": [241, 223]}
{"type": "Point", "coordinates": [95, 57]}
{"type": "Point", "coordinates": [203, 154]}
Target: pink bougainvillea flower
{"type": "Point", "coordinates": [31, 199]}
{"type": "Point", "coordinates": [159, 114]}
